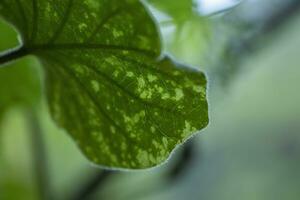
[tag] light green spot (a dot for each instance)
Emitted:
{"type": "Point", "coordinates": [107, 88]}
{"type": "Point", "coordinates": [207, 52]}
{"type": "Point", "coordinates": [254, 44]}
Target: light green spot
{"type": "Point", "coordinates": [146, 94]}
{"type": "Point", "coordinates": [160, 90]}
{"type": "Point", "coordinates": [82, 26]}
{"type": "Point", "coordinates": [95, 85]}
{"type": "Point", "coordinates": [151, 78]}
{"type": "Point", "coordinates": [188, 129]}
{"type": "Point", "coordinates": [152, 129]}
{"type": "Point", "coordinates": [199, 89]}
{"type": "Point", "coordinates": [116, 74]}
{"type": "Point", "coordinates": [179, 94]}
{"type": "Point", "coordinates": [117, 33]}
{"type": "Point", "coordinates": [143, 158]}
{"type": "Point", "coordinates": [165, 142]}
{"type": "Point", "coordinates": [129, 74]}
{"type": "Point", "coordinates": [79, 69]}
{"type": "Point", "coordinates": [165, 96]}
{"type": "Point", "coordinates": [141, 82]}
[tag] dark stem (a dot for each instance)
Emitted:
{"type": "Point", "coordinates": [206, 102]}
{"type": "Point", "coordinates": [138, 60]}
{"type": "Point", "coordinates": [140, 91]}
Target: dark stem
{"type": "Point", "coordinates": [12, 55]}
{"type": "Point", "coordinates": [173, 174]}
{"type": "Point", "coordinates": [92, 186]}
{"type": "Point", "coordinates": [185, 161]}
{"type": "Point", "coordinates": [39, 156]}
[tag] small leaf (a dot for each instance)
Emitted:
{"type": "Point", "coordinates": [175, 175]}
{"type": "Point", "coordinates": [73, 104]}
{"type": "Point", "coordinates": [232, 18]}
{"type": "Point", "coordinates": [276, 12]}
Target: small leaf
{"type": "Point", "coordinates": [19, 82]}
{"type": "Point", "coordinates": [191, 31]}
{"type": "Point", "coordinates": [107, 84]}
{"type": "Point", "coordinates": [180, 11]}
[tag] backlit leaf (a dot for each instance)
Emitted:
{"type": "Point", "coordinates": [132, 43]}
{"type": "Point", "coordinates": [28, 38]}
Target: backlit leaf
{"type": "Point", "coordinates": [108, 84]}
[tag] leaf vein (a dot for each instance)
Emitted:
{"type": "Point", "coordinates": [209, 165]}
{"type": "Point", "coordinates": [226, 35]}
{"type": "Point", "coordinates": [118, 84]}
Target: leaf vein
{"type": "Point", "coordinates": [93, 99]}
{"type": "Point", "coordinates": [82, 46]}
{"type": "Point", "coordinates": [103, 22]}
{"type": "Point", "coordinates": [34, 20]}
{"type": "Point", "coordinates": [24, 19]}
{"type": "Point", "coordinates": [62, 23]}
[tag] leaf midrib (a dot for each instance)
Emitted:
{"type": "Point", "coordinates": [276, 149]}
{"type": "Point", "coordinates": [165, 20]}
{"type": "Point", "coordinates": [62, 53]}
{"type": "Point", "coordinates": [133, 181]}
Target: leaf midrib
{"type": "Point", "coordinates": [23, 51]}
{"type": "Point", "coordinates": [89, 46]}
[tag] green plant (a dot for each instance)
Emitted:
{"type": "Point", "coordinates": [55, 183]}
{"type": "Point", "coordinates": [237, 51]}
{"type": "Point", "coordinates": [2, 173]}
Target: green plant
{"type": "Point", "coordinates": [124, 102]}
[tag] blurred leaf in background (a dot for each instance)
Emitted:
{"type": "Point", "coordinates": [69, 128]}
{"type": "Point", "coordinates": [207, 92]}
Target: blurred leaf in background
{"type": "Point", "coordinates": [19, 91]}
{"type": "Point", "coordinates": [184, 29]}
{"type": "Point", "coordinates": [179, 11]}
{"type": "Point", "coordinates": [16, 174]}
{"type": "Point", "coordinates": [20, 82]}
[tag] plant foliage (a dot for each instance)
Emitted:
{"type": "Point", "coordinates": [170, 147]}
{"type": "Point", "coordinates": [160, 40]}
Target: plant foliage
{"type": "Point", "coordinates": [107, 82]}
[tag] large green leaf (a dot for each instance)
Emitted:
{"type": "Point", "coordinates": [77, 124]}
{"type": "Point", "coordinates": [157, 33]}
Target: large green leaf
{"type": "Point", "coordinates": [108, 85]}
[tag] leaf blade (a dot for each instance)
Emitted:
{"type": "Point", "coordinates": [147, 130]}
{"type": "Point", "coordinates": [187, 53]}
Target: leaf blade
{"type": "Point", "coordinates": [107, 84]}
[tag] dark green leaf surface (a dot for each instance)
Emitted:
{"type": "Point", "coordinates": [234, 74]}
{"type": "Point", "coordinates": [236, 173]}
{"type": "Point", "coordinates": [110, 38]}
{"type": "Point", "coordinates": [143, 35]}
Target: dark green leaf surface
{"type": "Point", "coordinates": [107, 84]}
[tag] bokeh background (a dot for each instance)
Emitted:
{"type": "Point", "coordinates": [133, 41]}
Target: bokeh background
{"type": "Point", "coordinates": [250, 51]}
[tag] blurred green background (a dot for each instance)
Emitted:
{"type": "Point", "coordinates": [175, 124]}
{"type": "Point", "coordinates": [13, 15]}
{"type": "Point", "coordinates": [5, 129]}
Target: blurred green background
{"type": "Point", "coordinates": [250, 149]}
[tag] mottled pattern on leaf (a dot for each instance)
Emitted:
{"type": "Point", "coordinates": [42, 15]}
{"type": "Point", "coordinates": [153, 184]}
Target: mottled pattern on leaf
{"type": "Point", "coordinates": [106, 83]}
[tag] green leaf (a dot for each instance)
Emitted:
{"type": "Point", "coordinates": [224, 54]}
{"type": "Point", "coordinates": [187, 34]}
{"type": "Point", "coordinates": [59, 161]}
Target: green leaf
{"type": "Point", "coordinates": [19, 82]}
{"type": "Point", "coordinates": [179, 11]}
{"type": "Point", "coordinates": [192, 36]}
{"type": "Point", "coordinates": [192, 31]}
{"type": "Point", "coordinates": [108, 85]}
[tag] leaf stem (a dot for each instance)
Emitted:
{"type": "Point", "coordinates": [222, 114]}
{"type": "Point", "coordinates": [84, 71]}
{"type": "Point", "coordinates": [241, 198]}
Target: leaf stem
{"type": "Point", "coordinates": [93, 185]}
{"type": "Point", "coordinates": [13, 54]}
{"type": "Point", "coordinates": [185, 161]}
{"type": "Point", "coordinates": [39, 156]}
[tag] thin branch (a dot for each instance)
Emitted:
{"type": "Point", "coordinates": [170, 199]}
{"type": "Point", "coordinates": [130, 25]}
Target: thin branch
{"type": "Point", "coordinates": [183, 163]}
{"type": "Point", "coordinates": [39, 156]}
{"type": "Point", "coordinates": [92, 186]}
{"type": "Point", "coordinates": [12, 55]}
{"type": "Point", "coordinates": [173, 174]}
